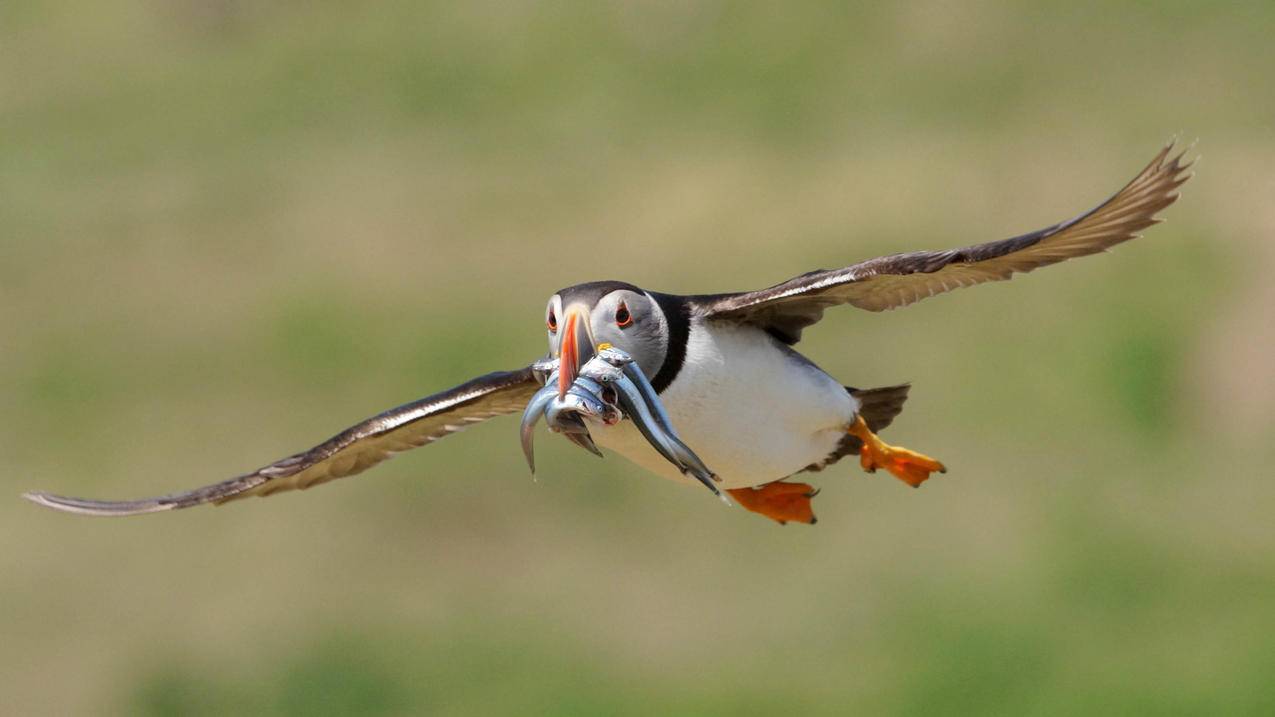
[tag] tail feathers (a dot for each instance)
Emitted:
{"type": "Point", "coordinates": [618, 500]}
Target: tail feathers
{"type": "Point", "coordinates": [879, 406]}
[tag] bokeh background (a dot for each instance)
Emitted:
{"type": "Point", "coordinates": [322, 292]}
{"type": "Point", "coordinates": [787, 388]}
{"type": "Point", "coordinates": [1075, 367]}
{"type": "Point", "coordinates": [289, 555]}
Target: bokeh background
{"type": "Point", "coordinates": [230, 229]}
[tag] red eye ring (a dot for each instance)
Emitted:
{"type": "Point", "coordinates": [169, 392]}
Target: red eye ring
{"type": "Point", "coordinates": [622, 316]}
{"type": "Point", "coordinates": [553, 321]}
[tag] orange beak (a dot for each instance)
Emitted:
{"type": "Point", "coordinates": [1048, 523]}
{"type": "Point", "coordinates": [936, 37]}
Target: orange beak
{"type": "Point", "coordinates": [576, 348]}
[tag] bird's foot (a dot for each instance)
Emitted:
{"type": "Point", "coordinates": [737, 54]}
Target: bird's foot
{"type": "Point", "coordinates": [779, 501]}
{"type": "Point", "coordinates": [908, 466]}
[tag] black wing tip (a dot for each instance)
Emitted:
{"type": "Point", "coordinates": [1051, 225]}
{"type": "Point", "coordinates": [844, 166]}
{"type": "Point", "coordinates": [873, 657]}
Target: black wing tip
{"type": "Point", "coordinates": [82, 506]}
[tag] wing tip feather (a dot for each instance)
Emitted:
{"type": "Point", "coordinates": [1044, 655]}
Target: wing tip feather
{"type": "Point", "coordinates": [82, 506]}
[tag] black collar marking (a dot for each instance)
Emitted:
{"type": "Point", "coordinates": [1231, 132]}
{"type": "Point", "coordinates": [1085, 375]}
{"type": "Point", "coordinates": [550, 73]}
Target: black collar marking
{"type": "Point", "coordinates": [677, 312]}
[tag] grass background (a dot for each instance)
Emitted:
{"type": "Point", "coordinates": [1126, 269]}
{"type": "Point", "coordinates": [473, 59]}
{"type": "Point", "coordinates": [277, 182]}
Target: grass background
{"type": "Point", "coordinates": [230, 229]}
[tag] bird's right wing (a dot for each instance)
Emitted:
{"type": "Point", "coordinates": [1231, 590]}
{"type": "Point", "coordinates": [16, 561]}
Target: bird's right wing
{"type": "Point", "coordinates": [352, 451]}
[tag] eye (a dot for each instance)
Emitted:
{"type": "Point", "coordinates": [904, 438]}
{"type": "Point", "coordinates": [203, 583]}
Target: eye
{"type": "Point", "coordinates": [552, 321]}
{"type": "Point", "coordinates": [622, 316]}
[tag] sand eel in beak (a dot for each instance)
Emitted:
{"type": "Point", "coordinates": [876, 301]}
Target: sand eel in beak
{"type": "Point", "coordinates": [606, 385]}
{"type": "Point", "coordinates": [723, 367]}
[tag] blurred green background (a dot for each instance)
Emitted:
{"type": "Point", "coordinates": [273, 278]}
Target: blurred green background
{"type": "Point", "coordinates": [230, 229]}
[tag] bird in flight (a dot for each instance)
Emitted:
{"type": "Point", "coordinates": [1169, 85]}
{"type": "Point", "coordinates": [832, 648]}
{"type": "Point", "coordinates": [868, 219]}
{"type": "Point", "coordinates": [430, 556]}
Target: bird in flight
{"type": "Point", "coordinates": [723, 365]}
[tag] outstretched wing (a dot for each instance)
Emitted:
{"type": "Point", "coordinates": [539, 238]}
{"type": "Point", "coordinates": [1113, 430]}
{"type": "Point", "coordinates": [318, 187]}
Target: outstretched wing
{"type": "Point", "coordinates": [901, 279]}
{"type": "Point", "coordinates": [352, 451]}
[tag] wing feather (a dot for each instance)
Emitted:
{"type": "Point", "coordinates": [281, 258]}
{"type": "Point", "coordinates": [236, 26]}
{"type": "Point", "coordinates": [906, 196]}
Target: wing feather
{"type": "Point", "coordinates": [890, 282]}
{"type": "Point", "coordinates": [348, 453]}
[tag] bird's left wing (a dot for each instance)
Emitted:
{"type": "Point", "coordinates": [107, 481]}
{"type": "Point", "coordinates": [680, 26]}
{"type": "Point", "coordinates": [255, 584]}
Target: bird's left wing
{"type": "Point", "coordinates": [892, 281]}
{"type": "Point", "coordinates": [352, 451]}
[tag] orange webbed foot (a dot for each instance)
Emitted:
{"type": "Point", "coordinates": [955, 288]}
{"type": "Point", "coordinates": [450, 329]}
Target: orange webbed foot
{"type": "Point", "coordinates": [908, 466]}
{"type": "Point", "coordinates": [779, 501]}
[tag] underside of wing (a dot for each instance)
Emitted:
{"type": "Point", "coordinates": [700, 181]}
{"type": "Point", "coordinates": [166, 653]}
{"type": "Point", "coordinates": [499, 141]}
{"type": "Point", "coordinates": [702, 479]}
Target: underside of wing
{"type": "Point", "coordinates": [901, 279]}
{"type": "Point", "coordinates": [352, 451]}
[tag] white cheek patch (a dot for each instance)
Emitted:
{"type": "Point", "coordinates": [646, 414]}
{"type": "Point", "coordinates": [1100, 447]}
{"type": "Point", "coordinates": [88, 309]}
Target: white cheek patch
{"type": "Point", "coordinates": [646, 339]}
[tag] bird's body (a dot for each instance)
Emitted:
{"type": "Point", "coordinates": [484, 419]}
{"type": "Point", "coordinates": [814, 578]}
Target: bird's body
{"type": "Point", "coordinates": [723, 366]}
{"type": "Point", "coordinates": [754, 409]}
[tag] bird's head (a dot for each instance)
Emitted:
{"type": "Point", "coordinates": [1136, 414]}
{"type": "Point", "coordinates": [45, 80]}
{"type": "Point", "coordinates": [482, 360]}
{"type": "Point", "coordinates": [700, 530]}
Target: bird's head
{"type": "Point", "coordinates": [581, 318]}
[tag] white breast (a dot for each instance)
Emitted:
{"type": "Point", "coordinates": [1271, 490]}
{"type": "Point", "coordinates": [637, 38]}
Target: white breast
{"type": "Point", "coordinates": [750, 408]}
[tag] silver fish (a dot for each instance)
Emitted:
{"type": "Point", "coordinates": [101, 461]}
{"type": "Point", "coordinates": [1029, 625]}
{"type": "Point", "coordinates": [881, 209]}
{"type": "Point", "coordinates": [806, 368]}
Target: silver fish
{"type": "Point", "coordinates": [608, 388]}
{"type": "Point", "coordinates": [641, 404]}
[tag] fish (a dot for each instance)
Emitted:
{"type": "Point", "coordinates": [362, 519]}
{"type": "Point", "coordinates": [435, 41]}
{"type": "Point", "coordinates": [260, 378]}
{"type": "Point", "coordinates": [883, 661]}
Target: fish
{"type": "Point", "coordinates": [609, 388]}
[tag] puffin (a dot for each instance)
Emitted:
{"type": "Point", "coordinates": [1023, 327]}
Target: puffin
{"type": "Point", "coordinates": [724, 366]}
